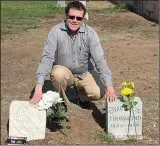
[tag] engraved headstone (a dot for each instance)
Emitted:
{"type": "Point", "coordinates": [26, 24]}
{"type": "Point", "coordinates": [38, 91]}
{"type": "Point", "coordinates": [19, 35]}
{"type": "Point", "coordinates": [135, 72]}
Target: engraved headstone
{"type": "Point", "coordinates": [123, 124]}
{"type": "Point", "coordinates": [26, 121]}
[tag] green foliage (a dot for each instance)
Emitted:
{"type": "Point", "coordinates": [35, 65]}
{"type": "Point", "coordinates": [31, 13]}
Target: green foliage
{"type": "Point", "coordinates": [104, 137]}
{"type": "Point", "coordinates": [58, 115]}
{"type": "Point", "coordinates": [116, 9]}
{"type": "Point", "coordinates": [128, 102]}
{"type": "Point", "coordinates": [57, 112]}
{"type": "Point", "coordinates": [18, 16]}
{"type": "Point", "coordinates": [124, 6]}
{"type": "Point", "coordinates": [125, 98]}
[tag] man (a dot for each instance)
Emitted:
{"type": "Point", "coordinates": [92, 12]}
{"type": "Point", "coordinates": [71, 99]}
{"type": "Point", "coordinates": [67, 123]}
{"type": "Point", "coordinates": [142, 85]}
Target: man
{"type": "Point", "coordinates": [66, 57]}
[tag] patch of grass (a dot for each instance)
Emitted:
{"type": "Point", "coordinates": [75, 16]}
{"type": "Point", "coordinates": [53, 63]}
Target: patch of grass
{"type": "Point", "coordinates": [144, 30]}
{"type": "Point", "coordinates": [104, 137]}
{"type": "Point", "coordinates": [115, 9]}
{"type": "Point", "coordinates": [155, 54]}
{"type": "Point", "coordinates": [18, 16]}
{"type": "Point", "coordinates": [116, 26]}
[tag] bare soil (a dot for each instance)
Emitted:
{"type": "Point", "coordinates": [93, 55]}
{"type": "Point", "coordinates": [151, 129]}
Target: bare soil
{"type": "Point", "coordinates": [130, 44]}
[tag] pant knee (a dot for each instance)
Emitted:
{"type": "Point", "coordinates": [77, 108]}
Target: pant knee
{"type": "Point", "coordinates": [62, 75]}
{"type": "Point", "coordinates": [91, 95]}
{"type": "Point", "coordinates": [57, 73]}
{"type": "Point", "coordinates": [95, 96]}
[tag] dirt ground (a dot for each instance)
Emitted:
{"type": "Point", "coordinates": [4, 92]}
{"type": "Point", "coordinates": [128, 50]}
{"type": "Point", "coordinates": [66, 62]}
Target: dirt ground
{"type": "Point", "coordinates": [130, 43]}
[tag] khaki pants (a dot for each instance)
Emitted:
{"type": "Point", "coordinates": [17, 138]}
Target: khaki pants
{"type": "Point", "coordinates": [87, 88]}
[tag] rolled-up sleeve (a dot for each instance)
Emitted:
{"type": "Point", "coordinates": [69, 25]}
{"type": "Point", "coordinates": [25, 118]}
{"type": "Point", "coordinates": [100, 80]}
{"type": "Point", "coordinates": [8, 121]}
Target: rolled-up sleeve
{"type": "Point", "coordinates": [100, 60]}
{"type": "Point", "coordinates": [47, 58]}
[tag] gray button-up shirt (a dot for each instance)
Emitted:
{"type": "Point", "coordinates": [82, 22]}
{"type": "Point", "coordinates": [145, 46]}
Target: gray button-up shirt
{"type": "Point", "coordinates": [73, 52]}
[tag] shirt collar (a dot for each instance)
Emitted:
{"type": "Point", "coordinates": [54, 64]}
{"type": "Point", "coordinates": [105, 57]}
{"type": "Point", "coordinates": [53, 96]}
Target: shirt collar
{"type": "Point", "coordinates": [63, 27]}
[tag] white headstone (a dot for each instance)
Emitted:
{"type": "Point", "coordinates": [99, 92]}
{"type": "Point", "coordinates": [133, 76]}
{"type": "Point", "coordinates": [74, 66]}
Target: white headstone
{"type": "Point", "coordinates": [117, 120]}
{"type": "Point", "coordinates": [83, 2]}
{"type": "Point", "coordinates": [26, 121]}
{"type": "Point", "coordinates": [61, 3]}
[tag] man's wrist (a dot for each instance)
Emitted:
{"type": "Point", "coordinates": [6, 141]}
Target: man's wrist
{"type": "Point", "coordinates": [110, 86]}
{"type": "Point", "coordinates": [38, 87]}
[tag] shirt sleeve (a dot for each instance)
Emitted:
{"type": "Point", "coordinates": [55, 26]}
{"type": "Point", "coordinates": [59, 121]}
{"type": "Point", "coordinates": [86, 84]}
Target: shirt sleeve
{"type": "Point", "coordinates": [98, 56]}
{"type": "Point", "coordinates": [47, 58]}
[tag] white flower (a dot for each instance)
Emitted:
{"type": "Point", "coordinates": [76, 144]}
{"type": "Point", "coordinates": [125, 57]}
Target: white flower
{"type": "Point", "coordinates": [41, 103]}
{"type": "Point", "coordinates": [49, 99]}
{"type": "Point", "coordinates": [53, 97]}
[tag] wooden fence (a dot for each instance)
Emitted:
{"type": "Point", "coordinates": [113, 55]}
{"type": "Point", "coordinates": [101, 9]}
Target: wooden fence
{"type": "Point", "coordinates": [148, 9]}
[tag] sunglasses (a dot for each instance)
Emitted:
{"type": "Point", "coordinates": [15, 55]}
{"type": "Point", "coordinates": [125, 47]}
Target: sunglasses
{"type": "Point", "coordinates": [77, 18]}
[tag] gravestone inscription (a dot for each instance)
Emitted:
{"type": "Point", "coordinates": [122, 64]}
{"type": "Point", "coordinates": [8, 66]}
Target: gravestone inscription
{"type": "Point", "coordinates": [123, 124]}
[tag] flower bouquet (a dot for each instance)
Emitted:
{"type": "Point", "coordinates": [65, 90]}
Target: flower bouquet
{"type": "Point", "coordinates": [55, 107]}
{"type": "Point", "coordinates": [128, 95]}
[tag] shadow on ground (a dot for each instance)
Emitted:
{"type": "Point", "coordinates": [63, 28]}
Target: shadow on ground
{"type": "Point", "coordinates": [46, 87]}
{"type": "Point", "coordinates": [98, 116]}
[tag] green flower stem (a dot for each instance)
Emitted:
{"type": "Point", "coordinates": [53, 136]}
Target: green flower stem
{"type": "Point", "coordinates": [64, 127]}
{"type": "Point", "coordinates": [129, 123]}
{"type": "Point", "coordinates": [135, 124]}
{"type": "Point", "coordinates": [131, 110]}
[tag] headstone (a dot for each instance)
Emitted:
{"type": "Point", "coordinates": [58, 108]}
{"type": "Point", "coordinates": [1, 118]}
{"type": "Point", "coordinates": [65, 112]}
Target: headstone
{"type": "Point", "coordinates": [26, 121]}
{"type": "Point", "coordinates": [61, 3]}
{"type": "Point", "coordinates": [117, 120]}
{"type": "Point", "coordinates": [83, 2]}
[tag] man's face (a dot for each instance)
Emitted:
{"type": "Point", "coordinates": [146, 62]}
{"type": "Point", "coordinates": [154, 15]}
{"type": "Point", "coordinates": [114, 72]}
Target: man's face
{"type": "Point", "coordinates": [74, 19]}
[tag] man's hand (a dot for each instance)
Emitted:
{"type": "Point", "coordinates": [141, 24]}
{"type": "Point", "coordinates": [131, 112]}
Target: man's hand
{"type": "Point", "coordinates": [37, 94]}
{"type": "Point", "coordinates": [110, 94]}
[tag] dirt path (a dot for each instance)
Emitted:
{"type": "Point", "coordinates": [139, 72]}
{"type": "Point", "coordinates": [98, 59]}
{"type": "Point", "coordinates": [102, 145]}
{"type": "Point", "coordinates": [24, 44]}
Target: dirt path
{"type": "Point", "coordinates": [131, 45]}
